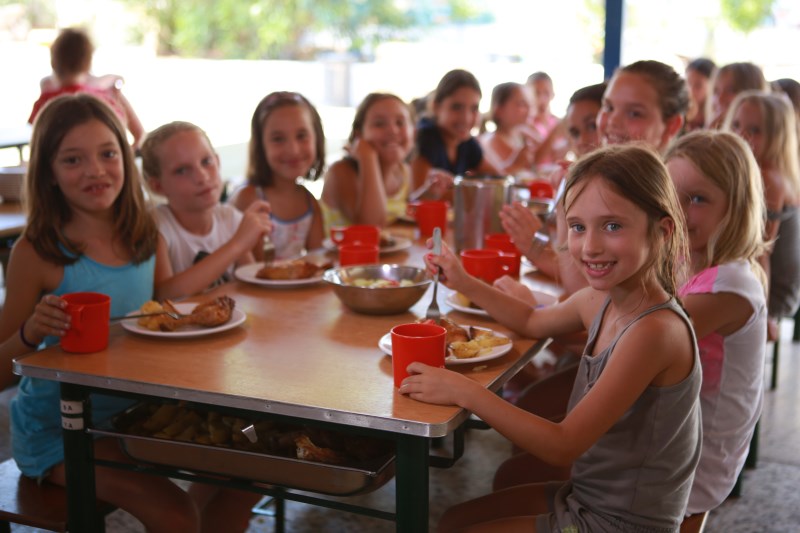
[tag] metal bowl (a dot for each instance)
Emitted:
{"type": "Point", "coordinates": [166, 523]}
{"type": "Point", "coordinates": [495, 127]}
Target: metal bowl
{"type": "Point", "coordinates": [378, 301]}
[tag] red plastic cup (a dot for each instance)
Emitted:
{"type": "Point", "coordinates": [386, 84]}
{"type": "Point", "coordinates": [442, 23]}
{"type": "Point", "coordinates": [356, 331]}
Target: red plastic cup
{"type": "Point", "coordinates": [358, 254]}
{"type": "Point", "coordinates": [488, 265]}
{"type": "Point", "coordinates": [429, 214]}
{"type": "Point", "coordinates": [90, 316]}
{"type": "Point", "coordinates": [502, 242]}
{"type": "Point", "coordinates": [541, 189]}
{"type": "Point", "coordinates": [416, 342]}
{"type": "Point", "coordinates": [356, 234]}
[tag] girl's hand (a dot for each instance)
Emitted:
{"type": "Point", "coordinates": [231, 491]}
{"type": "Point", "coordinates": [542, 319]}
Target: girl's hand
{"type": "Point", "coordinates": [516, 289]}
{"type": "Point", "coordinates": [520, 224]}
{"type": "Point", "coordinates": [435, 385]}
{"type": "Point", "coordinates": [439, 182]}
{"type": "Point", "coordinates": [453, 275]}
{"type": "Point", "coordinates": [255, 224]}
{"type": "Point", "coordinates": [48, 318]}
{"type": "Point", "coordinates": [362, 150]}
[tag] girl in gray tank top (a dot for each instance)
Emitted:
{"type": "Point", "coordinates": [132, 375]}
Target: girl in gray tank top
{"type": "Point", "coordinates": [633, 430]}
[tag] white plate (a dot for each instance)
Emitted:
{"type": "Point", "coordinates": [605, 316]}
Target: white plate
{"type": "Point", "coordinates": [400, 243]}
{"type": "Point", "coordinates": [385, 344]}
{"type": "Point", "coordinates": [237, 318]}
{"type": "Point", "coordinates": [248, 273]}
{"type": "Point", "coordinates": [542, 297]}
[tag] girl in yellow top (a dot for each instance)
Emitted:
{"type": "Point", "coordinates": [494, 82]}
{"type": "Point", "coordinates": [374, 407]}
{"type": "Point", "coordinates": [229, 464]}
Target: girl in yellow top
{"type": "Point", "coordinates": [370, 185]}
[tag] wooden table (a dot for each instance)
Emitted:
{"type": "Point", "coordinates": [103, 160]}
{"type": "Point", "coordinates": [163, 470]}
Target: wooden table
{"type": "Point", "coordinates": [301, 354]}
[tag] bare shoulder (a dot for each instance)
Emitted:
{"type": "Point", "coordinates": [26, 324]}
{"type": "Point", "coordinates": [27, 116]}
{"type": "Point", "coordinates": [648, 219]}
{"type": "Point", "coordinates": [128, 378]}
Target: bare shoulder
{"type": "Point", "coordinates": [243, 197]}
{"type": "Point", "coordinates": [27, 266]}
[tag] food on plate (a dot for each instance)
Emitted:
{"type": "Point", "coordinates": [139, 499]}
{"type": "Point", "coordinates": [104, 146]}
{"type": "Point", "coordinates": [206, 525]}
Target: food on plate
{"type": "Point", "coordinates": [463, 301]}
{"type": "Point", "coordinates": [464, 343]}
{"type": "Point", "coordinates": [380, 283]}
{"type": "Point", "coordinates": [386, 240]}
{"type": "Point", "coordinates": [291, 269]}
{"type": "Point", "coordinates": [186, 422]}
{"type": "Point", "coordinates": [209, 314]}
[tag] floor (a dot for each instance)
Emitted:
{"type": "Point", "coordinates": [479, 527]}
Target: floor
{"type": "Point", "coordinates": [770, 500]}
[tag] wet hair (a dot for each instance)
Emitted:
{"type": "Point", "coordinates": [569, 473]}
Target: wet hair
{"type": "Point", "coordinates": [363, 108]}
{"type": "Point", "coordinates": [780, 134]}
{"type": "Point", "coordinates": [726, 160]}
{"type": "Point", "coordinates": [500, 95]}
{"type": "Point", "coordinates": [636, 172]}
{"type": "Point", "coordinates": [591, 93]}
{"type": "Point", "coordinates": [539, 76]}
{"type": "Point", "coordinates": [745, 76]}
{"type": "Point", "coordinates": [151, 162]}
{"type": "Point", "coordinates": [48, 211]}
{"type": "Point", "coordinates": [259, 172]}
{"type": "Point", "coordinates": [71, 53]}
{"type": "Point", "coordinates": [673, 96]}
{"type": "Point", "coordinates": [703, 66]}
{"type": "Point", "coordinates": [452, 82]}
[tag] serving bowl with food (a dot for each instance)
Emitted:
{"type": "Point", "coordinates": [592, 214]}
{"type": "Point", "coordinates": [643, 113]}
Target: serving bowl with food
{"type": "Point", "coordinates": [378, 289]}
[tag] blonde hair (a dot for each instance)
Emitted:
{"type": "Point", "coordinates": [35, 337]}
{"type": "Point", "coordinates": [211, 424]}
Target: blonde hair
{"type": "Point", "coordinates": [151, 162]}
{"type": "Point", "coordinates": [636, 172]}
{"type": "Point", "coordinates": [780, 135]}
{"type": "Point", "coordinates": [726, 160]}
{"type": "Point", "coordinates": [48, 210]}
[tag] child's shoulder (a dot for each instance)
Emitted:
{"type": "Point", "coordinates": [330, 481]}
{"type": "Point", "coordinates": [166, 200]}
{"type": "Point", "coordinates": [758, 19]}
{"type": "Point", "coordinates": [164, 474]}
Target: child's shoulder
{"type": "Point", "coordinates": [245, 195]}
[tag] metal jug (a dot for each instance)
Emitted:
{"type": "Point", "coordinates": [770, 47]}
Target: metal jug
{"type": "Point", "coordinates": [477, 201]}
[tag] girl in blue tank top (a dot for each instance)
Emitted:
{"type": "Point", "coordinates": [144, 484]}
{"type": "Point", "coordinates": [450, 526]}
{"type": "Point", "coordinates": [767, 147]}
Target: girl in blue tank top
{"type": "Point", "coordinates": [88, 229]}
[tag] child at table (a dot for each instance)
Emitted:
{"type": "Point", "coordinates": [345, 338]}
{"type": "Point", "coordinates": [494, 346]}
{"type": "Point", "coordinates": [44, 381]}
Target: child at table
{"type": "Point", "coordinates": [371, 184]}
{"type": "Point", "coordinates": [549, 142]}
{"type": "Point", "coordinates": [88, 230]}
{"type": "Point", "coordinates": [509, 148]}
{"type": "Point", "coordinates": [639, 378]}
{"type": "Point", "coordinates": [445, 145]}
{"type": "Point", "coordinates": [699, 73]}
{"type": "Point", "coordinates": [767, 123]}
{"type": "Point", "coordinates": [206, 240]}
{"type": "Point", "coordinates": [730, 80]}
{"type": "Point", "coordinates": [286, 143]}
{"type": "Point", "coordinates": [71, 59]}
{"type": "Point", "coordinates": [718, 182]}
{"type": "Point", "coordinates": [644, 101]}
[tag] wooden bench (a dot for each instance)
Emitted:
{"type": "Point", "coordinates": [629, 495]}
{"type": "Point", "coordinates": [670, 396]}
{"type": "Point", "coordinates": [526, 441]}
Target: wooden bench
{"type": "Point", "coordinates": [25, 502]}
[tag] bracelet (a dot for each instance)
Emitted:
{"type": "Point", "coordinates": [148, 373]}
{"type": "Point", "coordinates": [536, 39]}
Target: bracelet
{"type": "Point", "coordinates": [25, 341]}
{"type": "Point", "coordinates": [538, 243]}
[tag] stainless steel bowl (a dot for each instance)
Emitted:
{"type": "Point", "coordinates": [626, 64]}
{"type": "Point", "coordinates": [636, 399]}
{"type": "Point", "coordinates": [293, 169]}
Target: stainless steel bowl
{"type": "Point", "coordinates": [378, 301]}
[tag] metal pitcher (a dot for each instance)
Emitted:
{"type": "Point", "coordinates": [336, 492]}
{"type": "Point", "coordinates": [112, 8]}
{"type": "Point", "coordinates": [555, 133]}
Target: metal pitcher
{"type": "Point", "coordinates": [477, 201]}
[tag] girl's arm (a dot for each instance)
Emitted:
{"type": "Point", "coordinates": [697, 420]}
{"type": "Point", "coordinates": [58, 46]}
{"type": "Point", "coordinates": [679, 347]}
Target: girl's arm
{"type": "Point", "coordinates": [28, 277]}
{"type": "Point", "coordinates": [241, 200]}
{"type": "Point", "coordinates": [669, 358]}
{"type": "Point", "coordinates": [133, 122]}
{"type": "Point", "coordinates": [723, 312]}
{"type": "Point", "coordinates": [316, 234]}
{"type": "Point", "coordinates": [420, 166]}
{"type": "Point", "coordinates": [369, 193]}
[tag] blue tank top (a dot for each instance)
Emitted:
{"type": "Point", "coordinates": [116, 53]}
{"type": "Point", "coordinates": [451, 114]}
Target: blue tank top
{"type": "Point", "coordinates": [35, 413]}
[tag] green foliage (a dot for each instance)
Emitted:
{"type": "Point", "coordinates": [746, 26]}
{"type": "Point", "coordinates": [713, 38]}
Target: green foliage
{"type": "Point", "coordinates": [746, 15]}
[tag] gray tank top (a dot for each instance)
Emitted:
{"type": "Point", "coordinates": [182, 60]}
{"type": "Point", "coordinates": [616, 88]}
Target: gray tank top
{"type": "Point", "coordinates": [642, 469]}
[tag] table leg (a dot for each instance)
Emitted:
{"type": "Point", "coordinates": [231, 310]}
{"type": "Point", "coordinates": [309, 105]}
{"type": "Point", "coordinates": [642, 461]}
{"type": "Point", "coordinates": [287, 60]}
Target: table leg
{"type": "Point", "coordinates": [79, 460]}
{"type": "Point", "coordinates": [411, 493]}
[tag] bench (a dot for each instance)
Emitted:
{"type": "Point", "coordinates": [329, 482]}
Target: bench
{"type": "Point", "coordinates": [25, 502]}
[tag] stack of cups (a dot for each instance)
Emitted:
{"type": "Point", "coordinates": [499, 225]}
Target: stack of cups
{"type": "Point", "coordinates": [357, 244]}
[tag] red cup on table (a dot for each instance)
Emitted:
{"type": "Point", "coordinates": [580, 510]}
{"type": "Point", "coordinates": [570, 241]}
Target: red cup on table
{"type": "Point", "coordinates": [502, 242]}
{"type": "Point", "coordinates": [356, 234]}
{"type": "Point", "coordinates": [429, 214]}
{"type": "Point", "coordinates": [416, 342]}
{"type": "Point", "coordinates": [488, 265]}
{"type": "Point", "coordinates": [358, 254]}
{"type": "Point", "coordinates": [541, 189]}
{"type": "Point", "coordinates": [90, 313]}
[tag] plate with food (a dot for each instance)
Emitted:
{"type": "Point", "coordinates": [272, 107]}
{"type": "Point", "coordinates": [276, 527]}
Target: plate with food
{"type": "Point", "coordinates": [465, 344]}
{"type": "Point", "coordinates": [219, 314]}
{"type": "Point", "coordinates": [283, 273]}
{"type": "Point", "coordinates": [389, 244]}
{"type": "Point", "coordinates": [459, 302]}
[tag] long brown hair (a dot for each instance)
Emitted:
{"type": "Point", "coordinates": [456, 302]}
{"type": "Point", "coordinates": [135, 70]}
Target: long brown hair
{"type": "Point", "coordinates": [47, 209]}
{"type": "Point", "coordinates": [259, 172]}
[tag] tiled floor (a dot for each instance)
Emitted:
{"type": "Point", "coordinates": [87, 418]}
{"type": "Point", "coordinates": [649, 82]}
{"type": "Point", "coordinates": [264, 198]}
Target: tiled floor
{"type": "Point", "coordinates": [770, 500]}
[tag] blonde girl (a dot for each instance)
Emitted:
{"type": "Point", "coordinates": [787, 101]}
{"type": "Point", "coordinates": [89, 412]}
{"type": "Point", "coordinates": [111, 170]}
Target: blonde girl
{"type": "Point", "coordinates": [287, 143]}
{"type": "Point", "coordinates": [718, 182]}
{"type": "Point", "coordinates": [88, 230]}
{"type": "Point", "coordinates": [372, 183]}
{"type": "Point", "coordinates": [730, 80]}
{"type": "Point", "coordinates": [645, 102]}
{"type": "Point", "coordinates": [639, 376]}
{"type": "Point", "coordinates": [767, 123]}
{"type": "Point", "coordinates": [509, 148]}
